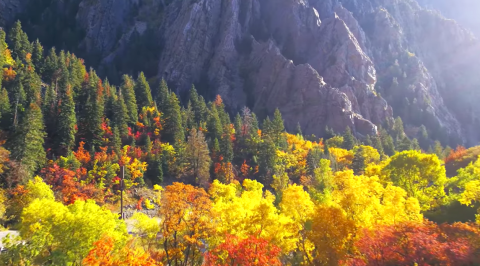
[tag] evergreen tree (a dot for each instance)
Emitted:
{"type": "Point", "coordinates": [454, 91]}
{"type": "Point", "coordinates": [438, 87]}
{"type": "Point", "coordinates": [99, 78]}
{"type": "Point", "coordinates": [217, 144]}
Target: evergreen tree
{"type": "Point", "coordinates": [368, 141]}
{"type": "Point", "coordinates": [116, 141]}
{"type": "Point", "coordinates": [92, 118]}
{"type": "Point", "coordinates": [18, 99]}
{"type": "Point", "coordinates": [214, 124]}
{"type": "Point", "coordinates": [313, 159]}
{"type": "Point", "coordinates": [51, 67]}
{"type": "Point", "coordinates": [3, 47]}
{"type": "Point", "coordinates": [226, 146]}
{"type": "Point", "coordinates": [19, 41]}
{"type": "Point", "coordinates": [5, 108]}
{"type": "Point", "coordinates": [32, 84]}
{"type": "Point", "coordinates": [143, 92]}
{"type": "Point", "coordinates": [172, 128]}
{"type": "Point", "coordinates": [28, 140]}
{"type": "Point", "coordinates": [423, 138]}
{"type": "Point", "coordinates": [161, 97]}
{"type": "Point", "coordinates": [49, 107]}
{"type": "Point", "coordinates": [326, 150]}
{"type": "Point", "coordinates": [121, 116]}
{"type": "Point", "coordinates": [199, 106]}
{"type": "Point", "coordinates": [67, 120]}
{"type": "Point", "coordinates": [155, 169]}
{"type": "Point", "coordinates": [387, 143]}
{"type": "Point", "coordinates": [377, 144]}
{"type": "Point", "coordinates": [37, 56]}
{"type": "Point", "coordinates": [128, 93]}
{"type": "Point", "coordinates": [348, 139]}
{"type": "Point", "coordinates": [298, 131]}
{"type": "Point", "coordinates": [267, 161]}
{"type": "Point", "coordinates": [398, 131]}
{"type": "Point", "coordinates": [404, 144]}
{"type": "Point", "coordinates": [199, 161]}
{"type": "Point", "coordinates": [416, 145]}
{"type": "Point", "coordinates": [358, 163]}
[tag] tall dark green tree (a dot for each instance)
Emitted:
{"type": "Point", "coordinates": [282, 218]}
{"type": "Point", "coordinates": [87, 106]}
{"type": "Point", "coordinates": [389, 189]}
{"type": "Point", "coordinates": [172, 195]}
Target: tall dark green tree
{"type": "Point", "coordinates": [377, 143]}
{"type": "Point", "coordinates": [116, 141]}
{"type": "Point", "coordinates": [49, 109]}
{"type": "Point", "coordinates": [5, 108]}
{"type": "Point", "coordinates": [26, 145]}
{"type": "Point", "coordinates": [3, 47]}
{"type": "Point", "coordinates": [143, 92]}
{"type": "Point", "coordinates": [50, 68]}
{"type": "Point", "coordinates": [67, 120]}
{"type": "Point", "coordinates": [37, 56]}
{"type": "Point", "coordinates": [199, 106]}
{"type": "Point", "coordinates": [173, 131]}
{"type": "Point", "coordinates": [313, 159]}
{"type": "Point", "coordinates": [348, 139]}
{"type": "Point", "coordinates": [298, 130]}
{"type": "Point", "coordinates": [32, 84]}
{"type": "Point", "coordinates": [128, 93]}
{"type": "Point", "coordinates": [214, 124]}
{"type": "Point", "coordinates": [387, 143]}
{"type": "Point", "coordinates": [154, 169]}
{"type": "Point", "coordinates": [93, 112]}
{"type": "Point", "coordinates": [267, 160]}
{"type": "Point", "coordinates": [121, 115]}
{"type": "Point", "coordinates": [404, 144]}
{"type": "Point", "coordinates": [358, 162]}
{"type": "Point", "coordinates": [19, 41]}
{"type": "Point", "coordinates": [226, 145]}
{"type": "Point", "coordinates": [161, 97]}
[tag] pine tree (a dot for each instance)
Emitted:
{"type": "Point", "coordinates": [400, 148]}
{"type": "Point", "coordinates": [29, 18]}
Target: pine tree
{"type": "Point", "coordinates": [92, 117]}
{"type": "Point", "coordinates": [377, 144]}
{"type": "Point", "coordinates": [3, 47]}
{"type": "Point", "coordinates": [19, 41]}
{"type": "Point", "coordinates": [37, 56]}
{"type": "Point", "coordinates": [404, 144]}
{"type": "Point", "coordinates": [423, 138]}
{"type": "Point", "coordinates": [32, 84]}
{"type": "Point", "coordinates": [313, 159]}
{"type": "Point", "coordinates": [28, 140]}
{"type": "Point", "coordinates": [173, 131]}
{"type": "Point", "coordinates": [267, 161]}
{"type": "Point", "coordinates": [368, 141]}
{"type": "Point", "coordinates": [398, 131]}
{"type": "Point", "coordinates": [326, 150]}
{"type": "Point", "coordinates": [214, 124]}
{"type": "Point", "coordinates": [143, 92]}
{"type": "Point", "coordinates": [387, 143]}
{"type": "Point", "coordinates": [277, 123]}
{"type": "Point", "coordinates": [416, 145]}
{"type": "Point", "coordinates": [67, 120]}
{"type": "Point", "coordinates": [199, 106]}
{"type": "Point", "coordinates": [49, 109]}
{"type": "Point", "coordinates": [155, 170]}
{"type": "Point", "coordinates": [199, 161]}
{"type": "Point", "coordinates": [51, 67]}
{"type": "Point", "coordinates": [298, 131]}
{"type": "Point", "coordinates": [116, 141]}
{"type": "Point", "coordinates": [5, 108]}
{"type": "Point", "coordinates": [358, 163]}
{"type": "Point", "coordinates": [161, 97]}
{"type": "Point", "coordinates": [121, 116]}
{"type": "Point", "coordinates": [226, 146]}
{"type": "Point", "coordinates": [348, 139]}
{"type": "Point", "coordinates": [128, 93]}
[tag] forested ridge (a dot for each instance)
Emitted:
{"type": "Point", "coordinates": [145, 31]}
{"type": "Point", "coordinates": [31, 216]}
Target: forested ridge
{"type": "Point", "coordinates": [204, 187]}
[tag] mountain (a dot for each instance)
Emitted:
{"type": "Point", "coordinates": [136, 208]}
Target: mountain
{"type": "Point", "coordinates": [323, 63]}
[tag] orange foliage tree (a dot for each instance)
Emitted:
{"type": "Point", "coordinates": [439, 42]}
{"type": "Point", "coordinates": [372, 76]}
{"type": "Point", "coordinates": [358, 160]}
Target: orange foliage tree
{"type": "Point", "coordinates": [186, 223]}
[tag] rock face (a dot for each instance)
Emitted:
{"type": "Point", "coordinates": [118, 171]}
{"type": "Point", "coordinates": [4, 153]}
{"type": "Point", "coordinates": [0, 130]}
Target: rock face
{"type": "Point", "coordinates": [9, 10]}
{"type": "Point", "coordinates": [334, 63]}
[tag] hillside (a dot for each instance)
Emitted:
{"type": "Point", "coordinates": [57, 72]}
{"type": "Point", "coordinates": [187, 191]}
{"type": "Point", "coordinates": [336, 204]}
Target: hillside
{"type": "Point", "coordinates": [323, 63]}
{"type": "Point", "coordinates": [253, 133]}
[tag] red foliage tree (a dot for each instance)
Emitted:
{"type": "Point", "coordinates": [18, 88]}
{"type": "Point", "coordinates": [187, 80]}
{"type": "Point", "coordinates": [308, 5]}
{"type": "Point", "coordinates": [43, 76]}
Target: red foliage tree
{"type": "Point", "coordinates": [419, 244]}
{"type": "Point", "coordinates": [246, 252]}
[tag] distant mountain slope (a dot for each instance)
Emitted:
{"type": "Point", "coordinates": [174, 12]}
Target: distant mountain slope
{"type": "Point", "coordinates": [334, 63]}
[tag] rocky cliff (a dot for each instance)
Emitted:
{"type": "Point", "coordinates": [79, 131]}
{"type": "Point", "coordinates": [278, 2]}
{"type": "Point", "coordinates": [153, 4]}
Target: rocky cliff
{"type": "Point", "coordinates": [333, 63]}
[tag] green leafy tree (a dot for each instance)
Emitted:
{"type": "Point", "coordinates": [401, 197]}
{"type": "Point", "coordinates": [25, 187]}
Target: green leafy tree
{"type": "Point", "coordinates": [143, 92]}
{"type": "Point", "coordinates": [121, 115]}
{"type": "Point", "coordinates": [28, 140]}
{"type": "Point", "coordinates": [93, 112]}
{"type": "Point", "coordinates": [313, 159]}
{"type": "Point", "coordinates": [172, 128]}
{"type": "Point", "coordinates": [214, 124]}
{"type": "Point", "coordinates": [421, 175]}
{"type": "Point", "coordinates": [405, 144]}
{"type": "Point", "coordinates": [199, 106]}
{"type": "Point", "coordinates": [50, 72]}
{"type": "Point", "coordinates": [5, 107]}
{"type": "Point", "coordinates": [161, 98]}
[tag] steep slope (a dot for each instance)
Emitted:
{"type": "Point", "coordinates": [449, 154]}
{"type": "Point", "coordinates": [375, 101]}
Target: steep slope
{"type": "Point", "coordinates": [333, 63]}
